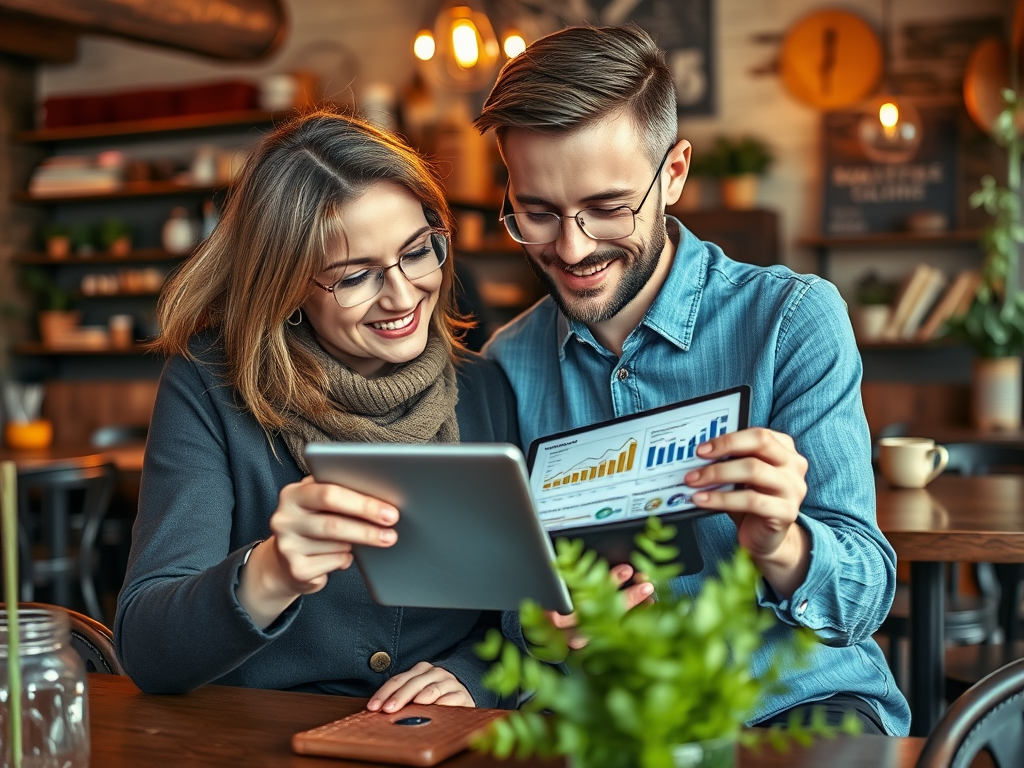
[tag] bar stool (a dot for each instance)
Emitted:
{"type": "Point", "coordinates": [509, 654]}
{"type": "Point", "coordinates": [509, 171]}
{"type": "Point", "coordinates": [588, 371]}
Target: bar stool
{"type": "Point", "coordinates": [61, 508]}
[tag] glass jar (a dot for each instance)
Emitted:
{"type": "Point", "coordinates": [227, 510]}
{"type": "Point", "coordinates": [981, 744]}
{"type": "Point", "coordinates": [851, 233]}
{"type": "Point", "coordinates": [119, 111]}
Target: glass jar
{"type": "Point", "coordinates": [54, 693]}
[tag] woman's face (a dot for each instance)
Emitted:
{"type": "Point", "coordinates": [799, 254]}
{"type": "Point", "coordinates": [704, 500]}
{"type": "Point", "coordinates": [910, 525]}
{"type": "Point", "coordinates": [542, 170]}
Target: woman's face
{"type": "Point", "coordinates": [381, 226]}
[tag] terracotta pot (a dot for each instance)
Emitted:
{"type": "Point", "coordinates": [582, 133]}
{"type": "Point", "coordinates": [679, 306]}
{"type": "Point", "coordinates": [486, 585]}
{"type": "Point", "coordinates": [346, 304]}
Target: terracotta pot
{"type": "Point", "coordinates": [692, 195]}
{"type": "Point", "coordinates": [58, 247]}
{"type": "Point", "coordinates": [739, 192]}
{"type": "Point", "coordinates": [54, 325]}
{"type": "Point", "coordinates": [120, 247]}
{"type": "Point", "coordinates": [25, 435]}
{"type": "Point", "coordinates": [996, 393]}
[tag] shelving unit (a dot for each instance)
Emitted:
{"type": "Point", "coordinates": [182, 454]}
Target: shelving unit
{"type": "Point", "coordinates": [823, 245]}
{"type": "Point", "coordinates": [127, 192]}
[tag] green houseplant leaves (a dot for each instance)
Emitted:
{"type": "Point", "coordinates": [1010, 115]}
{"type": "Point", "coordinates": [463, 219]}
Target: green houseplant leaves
{"type": "Point", "coordinates": [667, 673]}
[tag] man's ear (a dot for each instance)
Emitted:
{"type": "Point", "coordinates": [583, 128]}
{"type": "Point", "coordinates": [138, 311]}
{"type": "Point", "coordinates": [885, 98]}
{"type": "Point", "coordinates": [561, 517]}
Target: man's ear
{"type": "Point", "coordinates": [678, 165]}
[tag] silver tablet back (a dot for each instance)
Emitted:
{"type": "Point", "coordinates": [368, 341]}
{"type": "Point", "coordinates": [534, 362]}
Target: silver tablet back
{"type": "Point", "coordinates": [468, 535]}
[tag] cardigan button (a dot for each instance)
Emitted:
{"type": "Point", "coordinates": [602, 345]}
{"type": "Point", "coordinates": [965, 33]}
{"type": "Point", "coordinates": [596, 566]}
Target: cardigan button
{"type": "Point", "coordinates": [380, 661]}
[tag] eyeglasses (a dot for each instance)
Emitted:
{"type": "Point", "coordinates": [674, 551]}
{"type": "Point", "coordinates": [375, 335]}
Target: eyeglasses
{"type": "Point", "coordinates": [596, 223]}
{"type": "Point", "coordinates": [424, 259]}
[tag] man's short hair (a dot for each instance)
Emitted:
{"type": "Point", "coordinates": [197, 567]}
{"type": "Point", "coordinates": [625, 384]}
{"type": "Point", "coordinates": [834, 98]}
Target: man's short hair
{"type": "Point", "coordinates": [580, 74]}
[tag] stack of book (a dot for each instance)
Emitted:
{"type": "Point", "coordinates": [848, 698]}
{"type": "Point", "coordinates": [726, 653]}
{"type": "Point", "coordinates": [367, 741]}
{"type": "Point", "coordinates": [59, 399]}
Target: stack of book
{"type": "Point", "coordinates": [75, 175]}
{"type": "Point", "coordinates": [926, 300]}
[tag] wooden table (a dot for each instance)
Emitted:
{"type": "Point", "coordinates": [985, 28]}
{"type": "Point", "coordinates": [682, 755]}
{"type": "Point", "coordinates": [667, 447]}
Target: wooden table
{"type": "Point", "coordinates": [221, 726]}
{"type": "Point", "coordinates": [956, 519]}
{"type": "Point", "coordinates": [128, 458]}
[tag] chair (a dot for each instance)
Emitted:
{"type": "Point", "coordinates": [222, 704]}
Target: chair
{"type": "Point", "coordinates": [988, 717]}
{"type": "Point", "coordinates": [970, 620]}
{"type": "Point", "coordinates": [57, 504]}
{"type": "Point", "coordinates": [93, 641]}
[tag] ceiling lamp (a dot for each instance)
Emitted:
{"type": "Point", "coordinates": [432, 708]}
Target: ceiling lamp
{"type": "Point", "coordinates": [463, 46]}
{"type": "Point", "coordinates": [889, 129]}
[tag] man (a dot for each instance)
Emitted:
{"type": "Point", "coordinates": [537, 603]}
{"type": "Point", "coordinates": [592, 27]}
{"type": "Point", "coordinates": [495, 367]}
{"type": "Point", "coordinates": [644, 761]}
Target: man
{"type": "Point", "coordinates": [642, 314]}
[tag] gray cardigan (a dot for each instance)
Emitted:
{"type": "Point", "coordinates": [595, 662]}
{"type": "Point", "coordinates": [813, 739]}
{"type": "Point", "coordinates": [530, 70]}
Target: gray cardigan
{"type": "Point", "coordinates": [210, 483]}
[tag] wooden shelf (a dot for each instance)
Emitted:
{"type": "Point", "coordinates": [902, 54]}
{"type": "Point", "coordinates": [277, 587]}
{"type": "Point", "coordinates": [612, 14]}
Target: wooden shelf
{"type": "Point", "coordinates": [38, 349]}
{"type": "Point", "coordinates": [139, 256]}
{"type": "Point", "coordinates": [900, 239]}
{"type": "Point", "coordinates": [147, 189]}
{"type": "Point", "coordinates": [180, 124]}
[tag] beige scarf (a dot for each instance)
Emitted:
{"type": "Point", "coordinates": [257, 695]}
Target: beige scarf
{"type": "Point", "coordinates": [414, 403]}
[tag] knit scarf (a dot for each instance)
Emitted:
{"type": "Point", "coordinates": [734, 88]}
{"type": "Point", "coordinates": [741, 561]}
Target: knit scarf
{"type": "Point", "coordinates": [414, 403]}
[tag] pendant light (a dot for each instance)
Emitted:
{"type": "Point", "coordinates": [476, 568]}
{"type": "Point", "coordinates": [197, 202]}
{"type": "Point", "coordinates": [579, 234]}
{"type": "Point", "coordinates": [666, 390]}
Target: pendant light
{"type": "Point", "coordinates": [889, 129]}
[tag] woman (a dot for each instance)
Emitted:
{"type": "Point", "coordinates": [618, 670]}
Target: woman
{"type": "Point", "coordinates": [320, 309]}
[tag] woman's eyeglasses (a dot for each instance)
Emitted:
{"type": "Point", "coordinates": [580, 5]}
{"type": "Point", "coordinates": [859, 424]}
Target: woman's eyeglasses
{"type": "Point", "coordinates": [361, 286]}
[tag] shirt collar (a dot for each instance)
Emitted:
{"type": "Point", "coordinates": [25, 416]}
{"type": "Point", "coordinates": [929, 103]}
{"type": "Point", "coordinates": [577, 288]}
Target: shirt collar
{"type": "Point", "coordinates": [678, 299]}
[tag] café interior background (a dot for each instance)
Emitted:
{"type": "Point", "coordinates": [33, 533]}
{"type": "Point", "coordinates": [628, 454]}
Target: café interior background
{"type": "Point", "coordinates": [376, 36]}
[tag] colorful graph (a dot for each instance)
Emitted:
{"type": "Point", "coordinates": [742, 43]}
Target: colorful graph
{"type": "Point", "coordinates": [683, 449]}
{"type": "Point", "coordinates": [612, 462]}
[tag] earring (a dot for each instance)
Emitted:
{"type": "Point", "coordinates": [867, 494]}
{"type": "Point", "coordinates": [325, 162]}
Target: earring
{"type": "Point", "coordinates": [290, 319]}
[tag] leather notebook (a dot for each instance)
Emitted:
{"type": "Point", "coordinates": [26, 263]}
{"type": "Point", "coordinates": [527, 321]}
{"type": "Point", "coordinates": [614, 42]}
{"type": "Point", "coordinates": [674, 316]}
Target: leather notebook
{"type": "Point", "coordinates": [417, 734]}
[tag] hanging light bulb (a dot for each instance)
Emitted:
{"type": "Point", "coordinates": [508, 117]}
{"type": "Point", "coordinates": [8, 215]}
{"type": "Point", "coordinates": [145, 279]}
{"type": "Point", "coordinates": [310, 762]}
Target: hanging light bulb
{"type": "Point", "coordinates": [514, 44]}
{"type": "Point", "coordinates": [423, 46]}
{"type": "Point", "coordinates": [467, 49]}
{"type": "Point", "coordinates": [889, 130]}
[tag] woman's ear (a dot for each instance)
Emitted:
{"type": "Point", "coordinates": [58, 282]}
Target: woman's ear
{"type": "Point", "coordinates": [678, 165]}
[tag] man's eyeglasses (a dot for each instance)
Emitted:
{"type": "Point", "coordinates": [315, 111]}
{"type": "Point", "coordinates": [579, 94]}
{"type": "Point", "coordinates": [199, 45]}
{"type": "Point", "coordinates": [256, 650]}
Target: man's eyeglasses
{"type": "Point", "coordinates": [424, 259]}
{"type": "Point", "coordinates": [596, 223]}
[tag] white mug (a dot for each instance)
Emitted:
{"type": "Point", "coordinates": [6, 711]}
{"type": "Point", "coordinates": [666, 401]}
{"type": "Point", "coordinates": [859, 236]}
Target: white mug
{"type": "Point", "coordinates": [910, 462]}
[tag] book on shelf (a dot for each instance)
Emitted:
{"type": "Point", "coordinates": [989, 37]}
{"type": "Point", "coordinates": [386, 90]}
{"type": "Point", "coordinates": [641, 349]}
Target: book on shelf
{"type": "Point", "coordinates": [954, 302]}
{"type": "Point", "coordinates": [912, 293]}
{"type": "Point", "coordinates": [929, 294]}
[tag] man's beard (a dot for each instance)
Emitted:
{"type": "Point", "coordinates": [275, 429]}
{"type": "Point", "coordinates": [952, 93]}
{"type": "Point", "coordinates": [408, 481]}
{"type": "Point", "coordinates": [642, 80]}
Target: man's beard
{"type": "Point", "coordinates": [636, 273]}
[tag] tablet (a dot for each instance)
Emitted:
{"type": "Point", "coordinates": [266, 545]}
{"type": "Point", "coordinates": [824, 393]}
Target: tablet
{"type": "Point", "coordinates": [601, 482]}
{"type": "Point", "coordinates": [468, 535]}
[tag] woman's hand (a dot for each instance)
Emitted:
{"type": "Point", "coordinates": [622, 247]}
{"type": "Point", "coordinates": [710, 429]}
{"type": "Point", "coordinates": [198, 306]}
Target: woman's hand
{"type": "Point", "coordinates": [314, 528]}
{"type": "Point", "coordinates": [634, 595]}
{"type": "Point", "coordinates": [772, 473]}
{"type": "Point", "coordinates": [423, 684]}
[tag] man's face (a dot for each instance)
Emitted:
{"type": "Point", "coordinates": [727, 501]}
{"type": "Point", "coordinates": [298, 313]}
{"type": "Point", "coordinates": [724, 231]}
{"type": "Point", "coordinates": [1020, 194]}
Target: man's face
{"type": "Point", "coordinates": [602, 165]}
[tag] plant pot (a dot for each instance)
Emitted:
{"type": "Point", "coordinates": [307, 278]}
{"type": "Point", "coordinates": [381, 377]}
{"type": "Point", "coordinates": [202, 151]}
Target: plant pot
{"type": "Point", "coordinates": [871, 321]}
{"type": "Point", "coordinates": [739, 192]}
{"type": "Point", "coordinates": [26, 435]}
{"type": "Point", "coordinates": [120, 247]}
{"type": "Point", "coordinates": [691, 197]}
{"type": "Point", "coordinates": [54, 325]}
{"type": "Point", "coordinates": [58, 247]}
{"type": "Point", "coordinates": [996, 393]}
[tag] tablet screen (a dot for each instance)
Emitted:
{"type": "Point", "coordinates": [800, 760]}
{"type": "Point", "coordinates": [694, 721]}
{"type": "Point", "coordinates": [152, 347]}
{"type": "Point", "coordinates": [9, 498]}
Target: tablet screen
{"type": "Point", "coordinates": [631, 467]}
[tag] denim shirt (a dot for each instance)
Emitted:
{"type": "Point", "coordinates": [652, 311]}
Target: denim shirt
{"type": "Point", "coordinates": [717, 323]}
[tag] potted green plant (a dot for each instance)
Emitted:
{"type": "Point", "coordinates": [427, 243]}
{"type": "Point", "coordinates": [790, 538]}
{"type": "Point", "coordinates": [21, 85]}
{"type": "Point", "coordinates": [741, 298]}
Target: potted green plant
{"type": "Point", "coordinates": [739, 163]}
{"type": "Point", "coordinates": [83, 239]}
{"type": "Point", "coordinates": [993, 325]}
{"type": "Point", "coordinates": [56, 316]}
{"type": "Point", "coordinates": [874, 305]}
{"type": "Point", "coordinates": [57, 239]}
{"type": "Point", "coordinates": [666, 684]}
{"type": "Point", "coordinates": [116, 237]}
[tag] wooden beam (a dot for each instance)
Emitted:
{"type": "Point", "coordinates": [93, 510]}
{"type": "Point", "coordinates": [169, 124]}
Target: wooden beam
{"type": "Point", "coordinates": [36, 38]}
{"type": "Point", "coordinates": [234, 30]}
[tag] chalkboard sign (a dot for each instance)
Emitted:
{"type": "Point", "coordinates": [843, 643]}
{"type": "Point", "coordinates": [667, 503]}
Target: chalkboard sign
{"type": "Point", "coordinates": [682, 28]}
{"type": "Point", "coordinates": [861, 196]}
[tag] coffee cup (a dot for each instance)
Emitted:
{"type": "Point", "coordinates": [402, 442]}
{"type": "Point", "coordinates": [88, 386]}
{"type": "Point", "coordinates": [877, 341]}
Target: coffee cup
{"type": "Point", "coordinates": [910, 462]}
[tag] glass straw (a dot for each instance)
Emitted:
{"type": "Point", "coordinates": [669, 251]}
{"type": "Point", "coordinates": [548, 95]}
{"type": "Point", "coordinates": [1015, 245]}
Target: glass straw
{"type": "Point", "coordinates": [9, 513]}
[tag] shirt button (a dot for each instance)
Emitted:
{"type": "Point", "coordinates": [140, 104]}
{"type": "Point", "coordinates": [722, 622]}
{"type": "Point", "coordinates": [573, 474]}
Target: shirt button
{"type": "Point", "coordinates": [380, 661]}
{"type": "Point", "coordinates": [622, 374]}
{"type": "Point", "coordinates": [801, 608]}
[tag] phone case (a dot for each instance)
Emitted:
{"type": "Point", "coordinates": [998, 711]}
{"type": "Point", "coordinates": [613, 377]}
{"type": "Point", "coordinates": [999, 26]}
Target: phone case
{"type": "Point", "coordinates": [417, 734]}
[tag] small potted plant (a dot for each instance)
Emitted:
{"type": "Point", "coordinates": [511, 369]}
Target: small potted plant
{"type": "Point", "coordinates": [874, 306]}
{"type": "Point", "coordinates": [56, 317]}
{"type": "Point", "coordinates": [116, 236]}
{"type": "Point", "coordinates": [739, 163]}
{"type": "Point", "coordinates": [668, 683]}
{"type": "Point", "coordinates": [57, 238]}
{"type": "Point", "coordinates": [83, 239]}
{"type": "Point", "coordinates": [993, 325]}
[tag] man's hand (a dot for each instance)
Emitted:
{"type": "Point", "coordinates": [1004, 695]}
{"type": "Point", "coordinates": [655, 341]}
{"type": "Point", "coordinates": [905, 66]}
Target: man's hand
{"type": "Point", "coordinates": [772, 473]}
{"type": "Point", "coordinates": [423, 684]}
{"type": "Point", "coordinates": [634, 595]}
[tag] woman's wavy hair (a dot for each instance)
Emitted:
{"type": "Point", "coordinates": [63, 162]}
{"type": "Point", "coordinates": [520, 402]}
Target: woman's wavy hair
{"type": "Point", "coordinates": [254, 271]}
